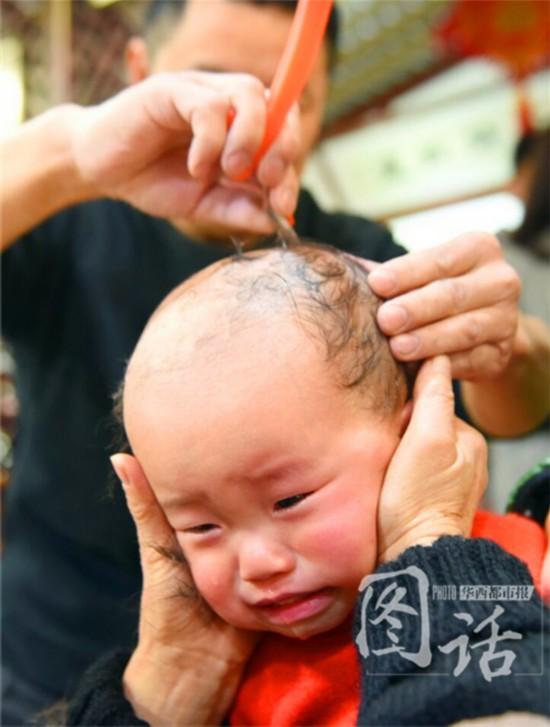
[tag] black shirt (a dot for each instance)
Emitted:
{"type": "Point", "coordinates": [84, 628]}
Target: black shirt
{"type": "Point", "coordinates": [78, 291]}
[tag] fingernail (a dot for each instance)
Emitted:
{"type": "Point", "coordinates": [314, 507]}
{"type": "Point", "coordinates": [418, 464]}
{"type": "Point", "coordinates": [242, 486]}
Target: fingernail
{"type": "Point", "coordinates": [242, 176]}
{"type": "Point", "coordinates": [275, 169]}
{"type": "Point", "coordinates": [405, 345]}
{"type": "Point", "coordinates": [369, 265]}
{"type": "Point", "coordinates": [382, 281]}
{"type": "Point", "coordinates": [287, 201]}
{"type": "Point", "coordinates": [119, 470]}
{"type": "Point", "coordinates": [392, 318]}
{"type": "Point", "coordinates": [201, 171]}
{"type": "Point", "coordinates": [238, 163]}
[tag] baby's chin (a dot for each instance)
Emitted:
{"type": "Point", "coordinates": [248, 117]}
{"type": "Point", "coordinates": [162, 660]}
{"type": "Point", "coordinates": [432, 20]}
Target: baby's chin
{"type": "Point", "coordinates": [304, 630]}
{"type": "Point", "coordinates": [332, 617]}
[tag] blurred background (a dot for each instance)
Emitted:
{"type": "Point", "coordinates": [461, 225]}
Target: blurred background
{"type": "Point", "coordinates": [428, 101]}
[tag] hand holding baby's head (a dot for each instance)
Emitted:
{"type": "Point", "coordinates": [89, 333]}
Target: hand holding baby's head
{"type": "Point", "coordinates": [264, 406]}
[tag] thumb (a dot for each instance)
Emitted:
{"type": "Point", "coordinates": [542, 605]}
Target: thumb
{"type": "Point", "coordinates": [150, 521]}
{"type": "Point", "coordinates": [368, 265]}
{"type": "Point", "coordinates": [433, 401]}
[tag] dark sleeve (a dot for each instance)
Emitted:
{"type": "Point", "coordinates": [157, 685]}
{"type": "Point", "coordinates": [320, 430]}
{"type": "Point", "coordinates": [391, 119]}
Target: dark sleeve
{"type": "Point", "coordinates": [427, 686]}
{"type": "Point", "coordinates": [99, 699]}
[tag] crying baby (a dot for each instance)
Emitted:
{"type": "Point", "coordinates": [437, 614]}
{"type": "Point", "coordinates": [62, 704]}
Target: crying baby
{"type": "Point", "coordinates": [264, 406]}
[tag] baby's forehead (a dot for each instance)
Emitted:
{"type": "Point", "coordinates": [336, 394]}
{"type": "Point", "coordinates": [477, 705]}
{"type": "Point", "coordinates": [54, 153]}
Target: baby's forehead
{"type": "Point", "coordinates": [215, 317]}
{"type": "Point", "coordinates": [316, 296]}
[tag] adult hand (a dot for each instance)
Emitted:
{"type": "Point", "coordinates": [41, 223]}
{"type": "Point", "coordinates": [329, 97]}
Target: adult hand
{"type": "Point", "coordinates": [165, 146]}
{"type": "Point", "coordinates": [188, 662]}
{"type": "Point", "coordinates": [438, 473]}
{"type": "Point", "coordinates": [458, 299]}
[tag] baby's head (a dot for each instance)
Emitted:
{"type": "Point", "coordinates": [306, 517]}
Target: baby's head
{"type": "Point", "coordinates": [264, 406]}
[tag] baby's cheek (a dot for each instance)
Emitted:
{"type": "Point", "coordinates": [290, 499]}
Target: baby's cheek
{"type": "Point", "coordinates": [210, 578]}
{"type": "Point", "coordinates": [347, 550]}
{"type": "Point", "coordinates": [346, 545]}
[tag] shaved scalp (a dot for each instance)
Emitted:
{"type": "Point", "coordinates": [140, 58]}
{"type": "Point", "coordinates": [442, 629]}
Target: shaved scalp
{"type": "Point", "coordinates": [320, 289]}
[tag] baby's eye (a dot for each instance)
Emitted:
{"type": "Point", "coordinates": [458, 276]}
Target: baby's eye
{"type": "Point", "coordinates": [287, 502]}
{"type": "Point", "coordinates": [198, 529]}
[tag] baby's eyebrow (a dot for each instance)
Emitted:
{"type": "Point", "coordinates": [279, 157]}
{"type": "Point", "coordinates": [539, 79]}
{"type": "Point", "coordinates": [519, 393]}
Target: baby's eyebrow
{"type": "Point", "coordinates": [265, 473]}
{"type": "Point", "coordinates": [185, 500]}
{"type": "Point", "coordinates": [278, 471]}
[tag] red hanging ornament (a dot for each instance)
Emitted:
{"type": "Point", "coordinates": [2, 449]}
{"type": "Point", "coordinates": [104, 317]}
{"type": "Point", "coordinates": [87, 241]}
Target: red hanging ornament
{"type": "Point", "coordinates": [515, 33]}
{"type": "Point", "coordinates": [525, 113]}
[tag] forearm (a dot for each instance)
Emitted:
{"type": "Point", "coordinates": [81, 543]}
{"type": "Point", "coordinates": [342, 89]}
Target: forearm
{"type": "Point", "coordinates": [122, 689]}
{"type": "Point", "coordinates": [519, 399]}
{"type": "Point", "coordinates": [39, 176]}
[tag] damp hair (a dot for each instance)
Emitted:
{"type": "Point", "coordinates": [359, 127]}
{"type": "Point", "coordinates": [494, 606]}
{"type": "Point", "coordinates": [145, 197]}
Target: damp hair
{"type": "Point", "coordinates": [327, 294]}
{"type": "Point", "coordinates": [160, 16]}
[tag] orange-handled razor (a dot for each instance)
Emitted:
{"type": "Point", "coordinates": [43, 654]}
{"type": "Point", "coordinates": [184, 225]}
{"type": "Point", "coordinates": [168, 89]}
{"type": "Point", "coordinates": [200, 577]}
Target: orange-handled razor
{"type": "Point", "coordinates": [296, 64]}
{"type": "Point", "coordinates": [294, 69]}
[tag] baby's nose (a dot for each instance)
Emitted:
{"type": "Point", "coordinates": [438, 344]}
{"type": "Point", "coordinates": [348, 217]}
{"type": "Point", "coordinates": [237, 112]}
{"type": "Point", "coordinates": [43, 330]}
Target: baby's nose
{"type": "Point", "coordinates": [261, 558]}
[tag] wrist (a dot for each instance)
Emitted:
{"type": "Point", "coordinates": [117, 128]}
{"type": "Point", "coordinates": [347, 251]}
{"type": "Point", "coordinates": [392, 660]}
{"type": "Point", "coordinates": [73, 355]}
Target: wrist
{"type": "Point", "coordinates": [64, 171]}
{"type": "Point", "coordinates": [164, 692]}
{"type": "Point", "coordinates": [424, 536]}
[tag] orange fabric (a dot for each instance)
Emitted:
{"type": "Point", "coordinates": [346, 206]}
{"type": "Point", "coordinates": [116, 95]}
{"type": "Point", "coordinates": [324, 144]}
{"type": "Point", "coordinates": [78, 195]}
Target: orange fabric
{"type": "Point", "coordinates": [517, 534]}
{"type": "Point", "coordinates": [290, 682]}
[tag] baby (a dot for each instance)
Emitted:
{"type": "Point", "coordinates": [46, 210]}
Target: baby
{"type": "Point", "coordinates": [264, 406]}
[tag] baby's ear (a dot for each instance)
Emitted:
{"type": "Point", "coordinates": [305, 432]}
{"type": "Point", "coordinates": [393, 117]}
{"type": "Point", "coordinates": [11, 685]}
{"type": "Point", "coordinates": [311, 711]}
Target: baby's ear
{"type": "Point", "coordinates": [404, 417]}
{"type": "Point", "coordinates": [136, 57]}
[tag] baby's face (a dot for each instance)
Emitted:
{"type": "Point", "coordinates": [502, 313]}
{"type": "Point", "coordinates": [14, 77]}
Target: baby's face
{"type": "Point", "coordinates": [269, 474]}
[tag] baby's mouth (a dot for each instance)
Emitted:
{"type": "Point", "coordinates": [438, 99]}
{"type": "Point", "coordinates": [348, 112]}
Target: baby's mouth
{"type": "Point", "coordinates": [292, 607]}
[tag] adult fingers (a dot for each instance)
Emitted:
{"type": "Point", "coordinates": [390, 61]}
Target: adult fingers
{"type": "Point", "coordinates": [284, 197]}
{"type": "Point", "coordinates": [208, 102]}
{"type": "Point", "coordinates": [433, 403]}
{"type": "Point", "coordinates": [248, 99]}
{"type": "Point", "coordinates": [484, 286]}
{"type": "Point", "coordinates": [473, 447]}
{"type": "Point", "coordinates": [471, 467]}
{"type": "Point", "coordinates": [234, 207]}
{"type": "Point", "coordinates": [151, 524]}
{"type": "Point", "coordinates": [458, 333]}
{"type": "Point", "coordinates": [418, 268]}
{"type": "Point", "coordinates": [481, 362]}
{"type": "Point", "coordinates": [368, 265]}
{"type": "Point", "coordinates": [282, 153]}
{"type": "Point", "coordinates": [207, 115]}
